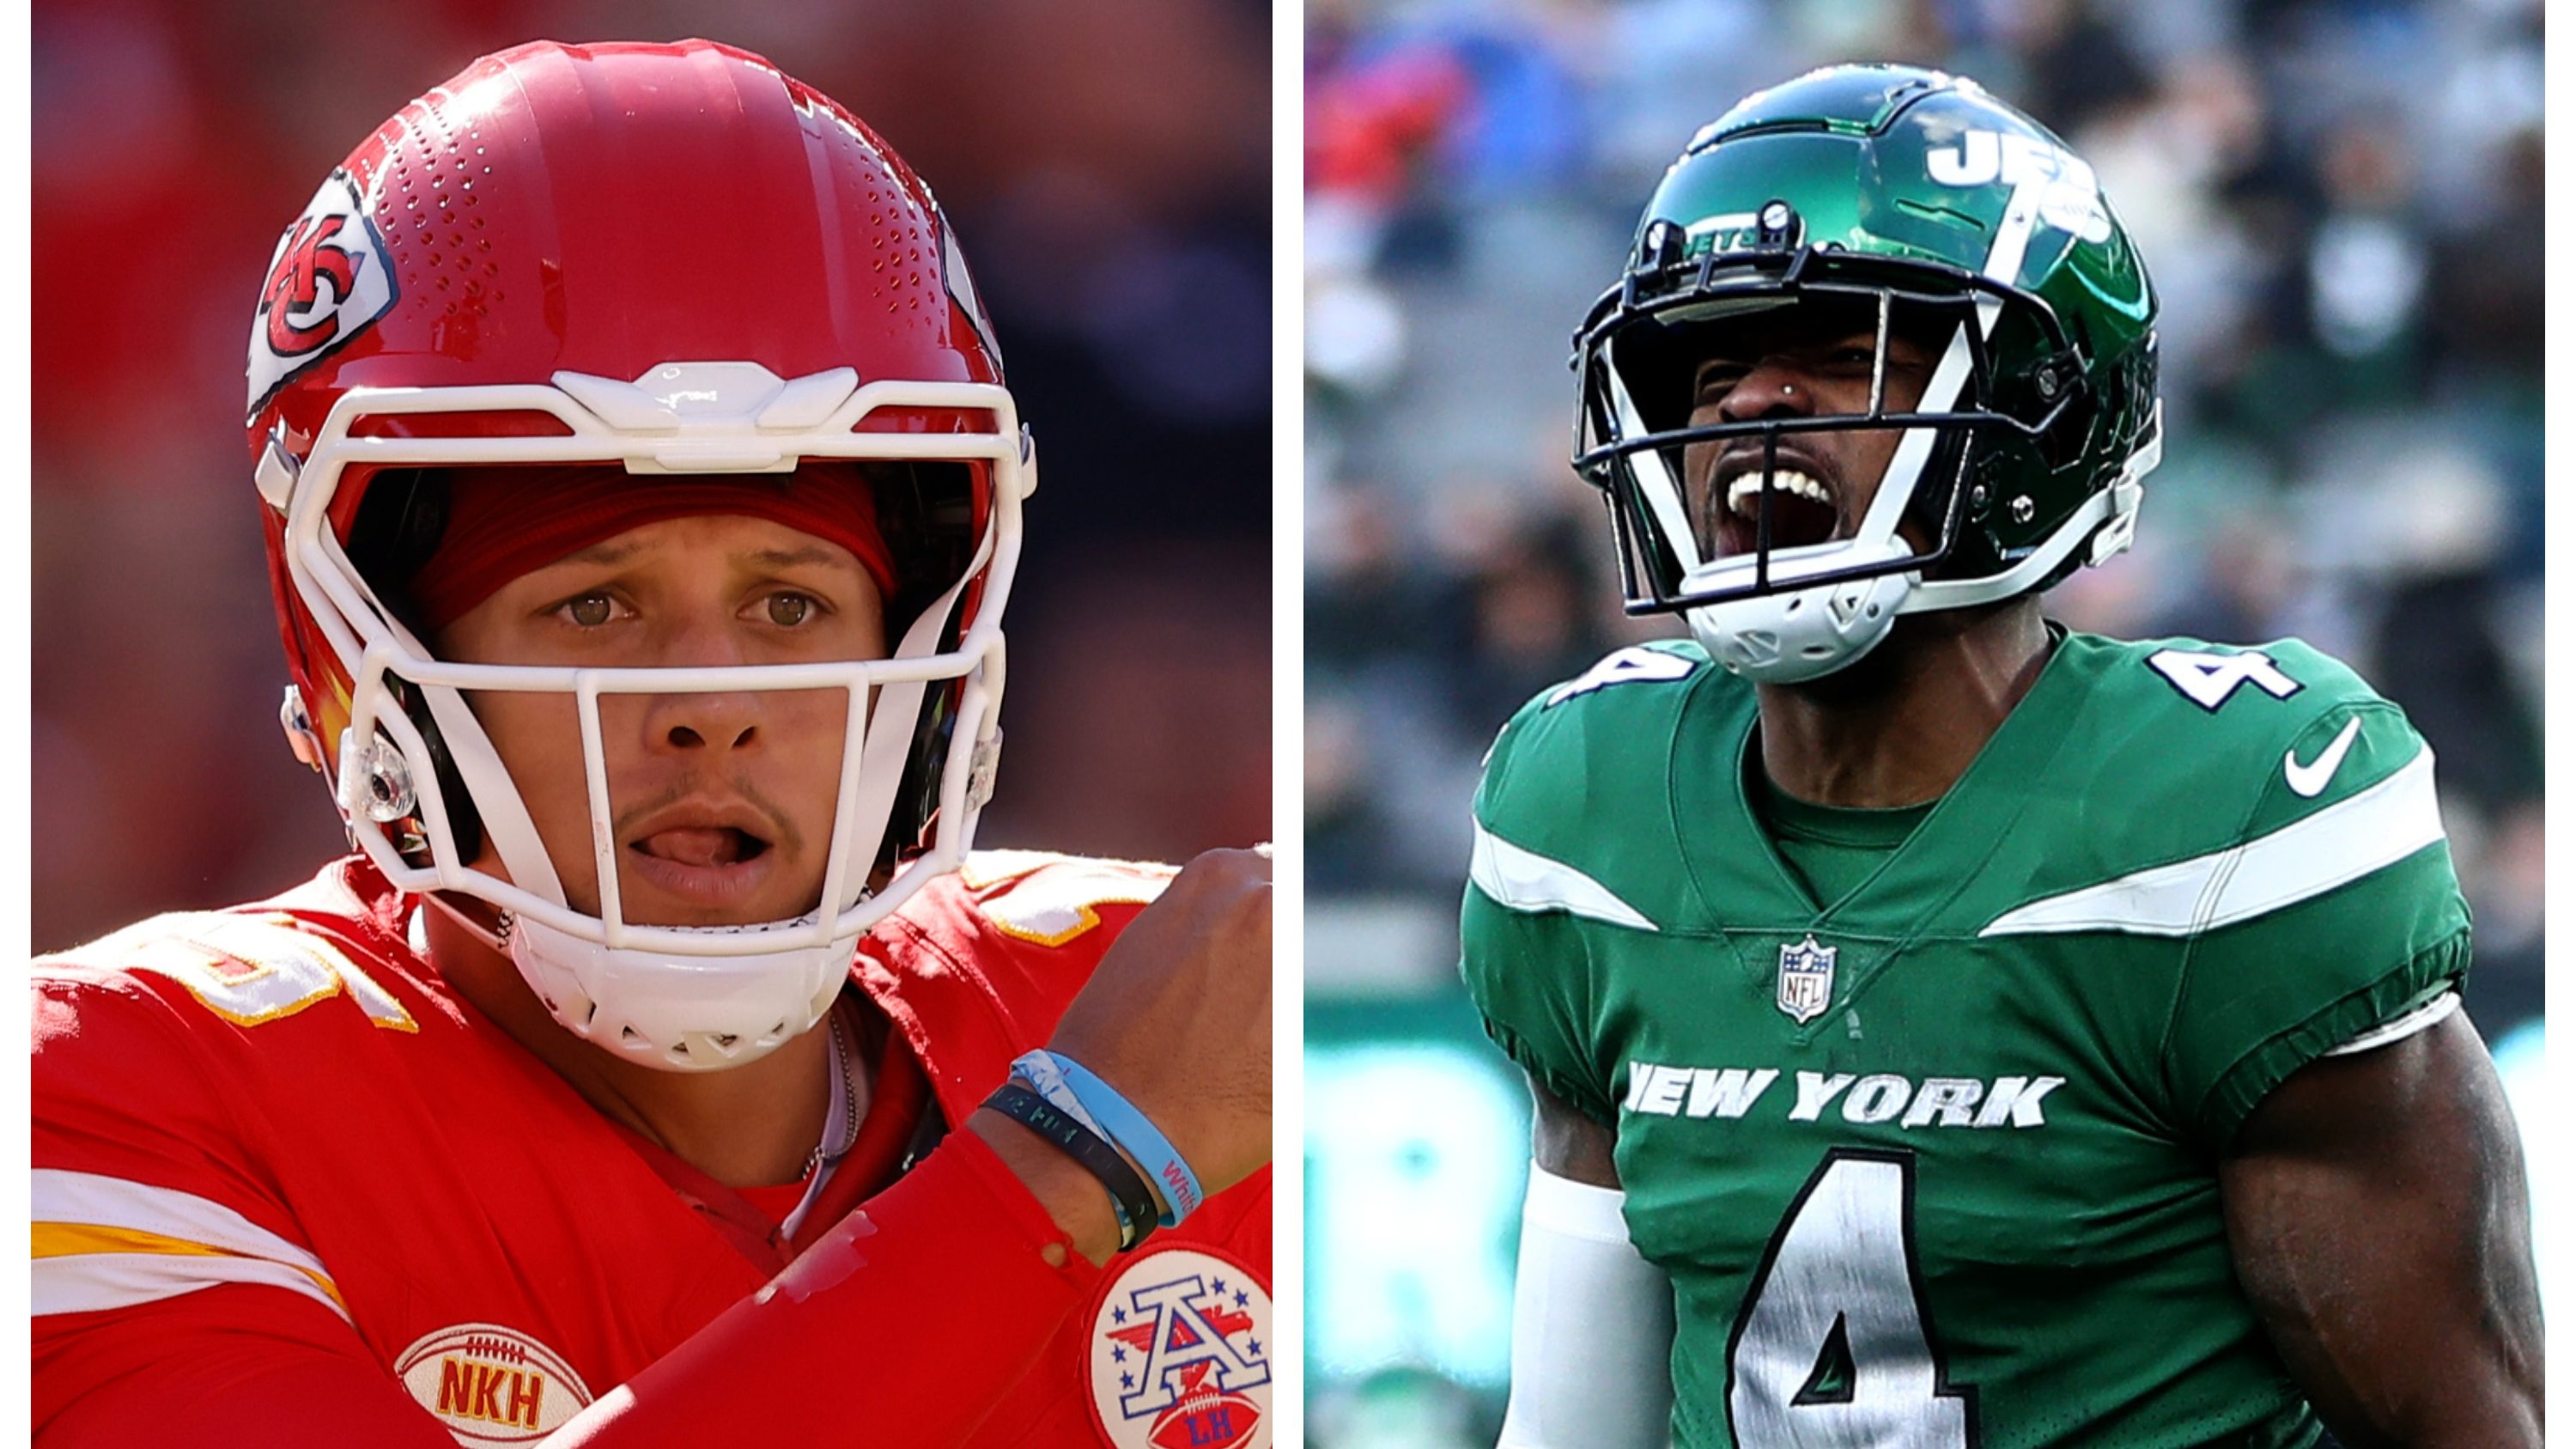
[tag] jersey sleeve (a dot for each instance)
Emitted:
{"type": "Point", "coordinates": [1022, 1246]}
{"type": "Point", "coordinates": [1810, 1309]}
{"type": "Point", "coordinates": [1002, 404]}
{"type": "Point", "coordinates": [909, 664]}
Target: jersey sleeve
{"type": "Point", "coordinates": [1527, 971]}
{"type": "Point", "coordinates": [2336, 913]}
{"type": "Point", "coordinates": [199, 1368]}
{"type": "Point", "coordinates": [144, 1187]}
{"type": "Point", "coordinates": [173, 1297]}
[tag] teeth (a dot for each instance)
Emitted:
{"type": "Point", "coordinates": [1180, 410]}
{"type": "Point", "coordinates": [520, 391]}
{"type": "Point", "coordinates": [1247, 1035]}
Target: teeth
{"type": "Point", "coordinates": [1744, 495]}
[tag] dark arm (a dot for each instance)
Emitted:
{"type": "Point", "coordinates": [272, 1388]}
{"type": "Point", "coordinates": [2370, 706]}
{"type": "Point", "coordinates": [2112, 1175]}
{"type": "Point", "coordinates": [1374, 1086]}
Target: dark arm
{"type": "Point", "coordinates": [2380, 1223]}
{"type": "Point", "coordinates": [1569, 1144]}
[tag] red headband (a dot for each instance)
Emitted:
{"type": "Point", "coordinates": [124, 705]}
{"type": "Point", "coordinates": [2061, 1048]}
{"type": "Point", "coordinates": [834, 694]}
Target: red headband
{"type": "Point", "coordinates": [508, 521]}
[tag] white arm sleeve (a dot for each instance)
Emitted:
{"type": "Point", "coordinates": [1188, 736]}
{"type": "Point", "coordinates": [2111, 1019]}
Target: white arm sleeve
{"type": "Point", "coordinates": [1592, 1327]}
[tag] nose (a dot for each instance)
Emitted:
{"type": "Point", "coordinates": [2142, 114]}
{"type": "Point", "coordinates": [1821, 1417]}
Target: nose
{"type": "Point", "coordinates": [684, 723]}
{"type": "Point", "coordinates": [1772, 387]}
{"type": "Point", "coordinates": [716, 721]}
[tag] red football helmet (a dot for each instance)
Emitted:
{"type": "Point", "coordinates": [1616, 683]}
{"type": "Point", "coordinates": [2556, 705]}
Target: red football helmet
{"type": "Point", "coordinates": [677, 259]}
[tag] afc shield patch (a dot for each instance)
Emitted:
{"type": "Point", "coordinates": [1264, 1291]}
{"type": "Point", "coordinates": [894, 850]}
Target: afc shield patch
{"type": "Point", "coordinates": [491, 1385]}
{"type": "Point", "coordinates": [1806, 979]}
{"type": "Point", "coordinates": [1179, 1350]}
{"type": "Point", "coordinates": [327, 281]}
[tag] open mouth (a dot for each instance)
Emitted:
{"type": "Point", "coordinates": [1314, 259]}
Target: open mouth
{"type": "Point", "coordinates": [1802, 507]}
{"type": "Point", "coordinates": [692, 868]}
{"type": "Point", "coordinates": [706, 846]}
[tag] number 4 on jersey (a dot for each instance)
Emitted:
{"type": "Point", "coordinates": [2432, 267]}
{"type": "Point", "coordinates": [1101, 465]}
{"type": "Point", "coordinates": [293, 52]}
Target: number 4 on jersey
{"type": "Point", "coordinates": [2208, 680]}
{"type": "Point", "coordinates": [1634, 665]}
{"type": "Point", "coordinates": [1832, 1346]}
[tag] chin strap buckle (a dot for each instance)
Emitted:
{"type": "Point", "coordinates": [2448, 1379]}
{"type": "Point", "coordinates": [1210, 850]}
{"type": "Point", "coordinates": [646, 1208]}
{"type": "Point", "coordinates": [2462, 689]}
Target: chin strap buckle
{"type": "Point", "coordinates": [2121, 528]}
{"type": "Point", "coordinates": [300, 734]}
{"type": "Point", "coordinates": [980, 769]}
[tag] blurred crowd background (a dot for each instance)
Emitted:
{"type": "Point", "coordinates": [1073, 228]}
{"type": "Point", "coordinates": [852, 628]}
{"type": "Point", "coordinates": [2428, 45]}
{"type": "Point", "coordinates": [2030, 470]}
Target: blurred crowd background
{"type": "Point", "coordinates": [2340, 201]}
{"type": "Point", "coordinates": [1107, 166]}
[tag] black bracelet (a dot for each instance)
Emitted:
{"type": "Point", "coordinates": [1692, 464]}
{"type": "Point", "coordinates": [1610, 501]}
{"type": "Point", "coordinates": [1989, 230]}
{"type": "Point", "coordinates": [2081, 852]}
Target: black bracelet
{"type": "Point", "coordinates": [1127, 1194]}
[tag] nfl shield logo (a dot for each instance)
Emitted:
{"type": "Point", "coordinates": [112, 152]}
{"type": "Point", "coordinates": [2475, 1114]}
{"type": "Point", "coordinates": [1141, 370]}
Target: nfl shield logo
{"type": "Point", "coordinates": [1806, 979]}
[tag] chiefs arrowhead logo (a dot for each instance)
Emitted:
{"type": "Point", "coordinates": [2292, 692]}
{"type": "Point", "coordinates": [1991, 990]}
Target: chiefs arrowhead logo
{"type": "Point", "coordinates": [327, 281]}
{"type": "Point", "coordinates": [1180, 1354]}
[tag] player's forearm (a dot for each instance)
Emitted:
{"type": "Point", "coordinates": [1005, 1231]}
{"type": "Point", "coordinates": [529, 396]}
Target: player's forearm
{"type": "Point", "coordinates": [1592, 1327]}
{"type": "Point", "coordinates": [1069, 1193]}
{"type": "Point", "coordinates": [859, 1340]}
{"type": "Point", "coordinates": [2465, 1390]}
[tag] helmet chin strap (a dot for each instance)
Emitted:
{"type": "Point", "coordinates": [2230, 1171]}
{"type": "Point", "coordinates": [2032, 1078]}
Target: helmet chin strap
{"type": "Point", "coordinates": [889, 738]}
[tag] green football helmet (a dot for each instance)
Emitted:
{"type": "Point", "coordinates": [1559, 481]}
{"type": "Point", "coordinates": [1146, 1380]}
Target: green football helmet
{"type": "Point", "coordinates": [1898, 203]}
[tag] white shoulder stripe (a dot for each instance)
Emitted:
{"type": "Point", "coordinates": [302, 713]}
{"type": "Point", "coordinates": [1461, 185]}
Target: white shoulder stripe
{"type": "Point", "coordinates": [93, 1282]}
{"type": "Point", "coordinates": [1522, 880]}
{"type": "Point", "coordinates": [2347, 840]}
{"type": "Point", "coordinates": [94, 1200]}
{"type": "Point", "coordinates": [106, 1242]}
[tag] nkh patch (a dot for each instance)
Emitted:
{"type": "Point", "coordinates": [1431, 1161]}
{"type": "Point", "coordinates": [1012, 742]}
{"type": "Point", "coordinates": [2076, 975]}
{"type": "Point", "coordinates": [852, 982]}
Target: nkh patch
{"type": "Point", "coordinates": [1180, 1353]}
{"type": "Point", "coordinates": [491, 1385]}
{"type": "Point", "coordinates": [1806, 979]}
{"type": "Point", "coordinates": [327, 281]}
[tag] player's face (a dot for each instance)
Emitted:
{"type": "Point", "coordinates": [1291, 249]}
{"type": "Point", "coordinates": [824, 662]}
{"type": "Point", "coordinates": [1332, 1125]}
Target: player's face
{"type": "Point", "coordinates": [721, 804]}
{"type": "Point", "coordinates": [1814, 360]}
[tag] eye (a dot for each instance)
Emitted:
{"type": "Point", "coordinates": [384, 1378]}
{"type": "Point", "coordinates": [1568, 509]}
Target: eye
{"type": "Point", "coordinates": [788, 610]}
{"type": "Point", "coordinates": [588, 611]}
{"type": "Point", "coordinates": [1717, 379]}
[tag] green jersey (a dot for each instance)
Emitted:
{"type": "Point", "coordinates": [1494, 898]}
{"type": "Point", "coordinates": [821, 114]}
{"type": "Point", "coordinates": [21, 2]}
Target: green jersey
{"type": "Point", "coordinates": [1931, 1163]}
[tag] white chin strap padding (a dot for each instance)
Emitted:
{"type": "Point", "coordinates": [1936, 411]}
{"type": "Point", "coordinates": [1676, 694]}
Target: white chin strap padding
{"type": "Point", "coordinates": [680, 1013]}
{"type": "Point", "coordinates": [1801, 634]}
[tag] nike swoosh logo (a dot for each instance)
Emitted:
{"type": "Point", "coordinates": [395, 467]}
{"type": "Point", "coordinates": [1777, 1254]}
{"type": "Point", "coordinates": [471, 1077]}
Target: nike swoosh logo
{"type": "Point", "coordinates": [2309, 780]}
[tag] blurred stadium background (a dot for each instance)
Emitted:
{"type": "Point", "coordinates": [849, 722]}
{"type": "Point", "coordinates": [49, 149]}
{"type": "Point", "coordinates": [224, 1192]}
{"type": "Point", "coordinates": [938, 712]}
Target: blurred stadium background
{"type": "Point", "coordinates": [2341, 202]}
{"type": "Point", "coordinates": [1107, 166]}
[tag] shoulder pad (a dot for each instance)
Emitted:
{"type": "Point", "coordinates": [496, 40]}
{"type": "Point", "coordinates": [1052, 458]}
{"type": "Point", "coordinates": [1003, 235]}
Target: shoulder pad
{"type": "Point", "coordinates": [246, 967]}
{"type": "Point", "coordinates": [1049, 899]}
{"type": "Point", "coordinates": [2254, 692]}
{"type": "Point", "coordinates": [2170, 814]}
{"type": "Point", "coordinates": [1561, 734]}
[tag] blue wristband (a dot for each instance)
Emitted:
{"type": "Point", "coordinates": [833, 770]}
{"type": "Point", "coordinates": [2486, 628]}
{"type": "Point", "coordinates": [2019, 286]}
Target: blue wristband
{"type": "Point", "coordinates": [1133, 1133]}
{"type": "Point", "coordinates": [1045, 1078]}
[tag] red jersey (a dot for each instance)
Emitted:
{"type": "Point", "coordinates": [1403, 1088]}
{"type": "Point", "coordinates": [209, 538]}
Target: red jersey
{"type": "Point", "coordinates": [289, 1187]}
